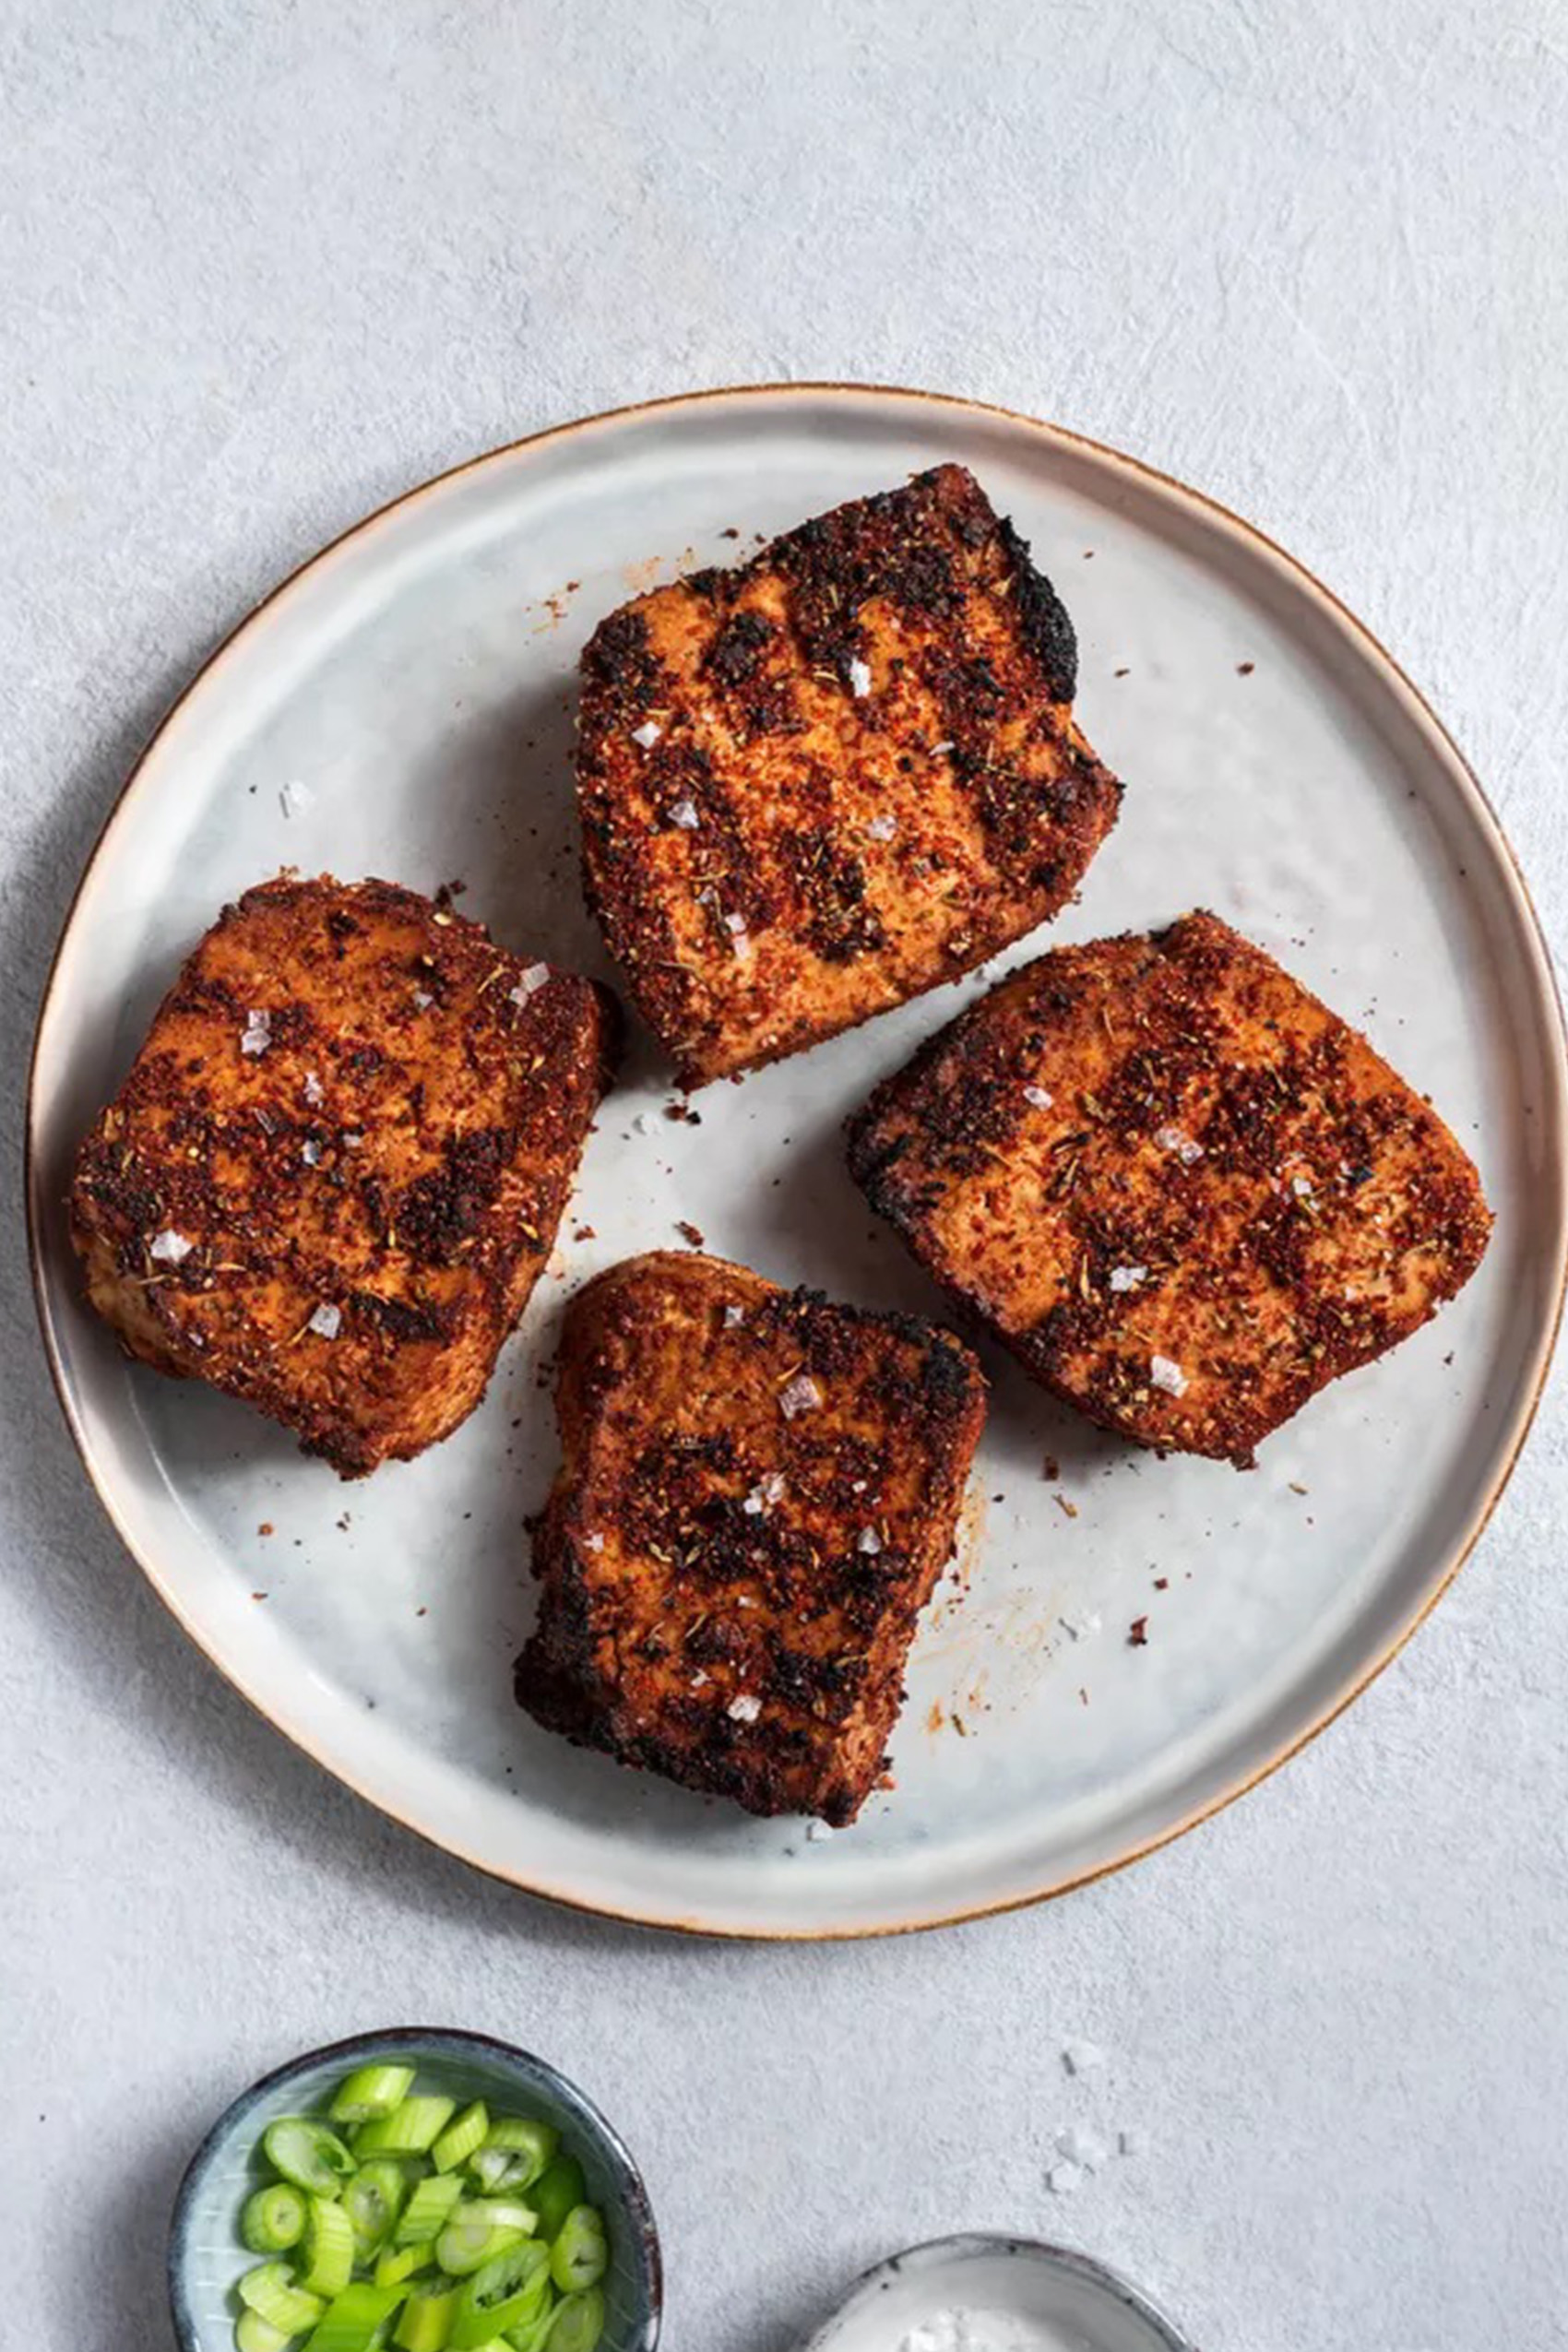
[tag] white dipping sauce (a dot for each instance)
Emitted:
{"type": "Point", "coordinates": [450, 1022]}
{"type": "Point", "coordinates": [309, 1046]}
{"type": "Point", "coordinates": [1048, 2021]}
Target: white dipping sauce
{"type": "Point", "coordinates": [959, 2330]}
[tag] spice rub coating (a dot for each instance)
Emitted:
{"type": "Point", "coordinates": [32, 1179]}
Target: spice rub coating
{"type": "Point", "coordinates": [335, 1169]}
{"type": "Point", "coordinates": [816, 785]}
{"type": "Point", "coordinates": [1181, 1191]}
{"type": "Point", "coordinates": [756, 1494]}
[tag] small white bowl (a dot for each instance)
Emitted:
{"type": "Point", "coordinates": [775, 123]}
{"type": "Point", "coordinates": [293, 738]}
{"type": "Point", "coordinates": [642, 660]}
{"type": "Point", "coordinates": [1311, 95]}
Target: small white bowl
{"type": "Point", "coordinates": [1088, 2308]}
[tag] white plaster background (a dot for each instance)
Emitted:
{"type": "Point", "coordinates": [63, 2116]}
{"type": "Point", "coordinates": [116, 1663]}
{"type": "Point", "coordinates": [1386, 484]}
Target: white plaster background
{"type": "Point", "coordinates": [264, 265]}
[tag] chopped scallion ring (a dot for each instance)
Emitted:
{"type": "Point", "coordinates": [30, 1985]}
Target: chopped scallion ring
{"type": "Point", "coordinates": [506, 2292]}
{"type": "Point", "coordinates": [577, 2323]}
{"type": "Point", "coordinates": [396, 2264]}
{"type": "Point", "coordinates": [307, 2153]}
{"type": "Point", "coordinates": [357, 2320]}
{"type": "Point", "coordinates": [274, 2219]}
{"type": "Point", "coordinates": [371, 2092]}
{"type": "Point", "coordinates": [326, 2250]}
{"type": "Point", "coordinates": [269, 2291]}
{"type": "Point", "coordinates": [426, 2323]}
{"type": "Point", "coordinates": [461, 2139]}
{"type": "Point", "coordinates": [413, 2123]}
{"type": "Point", "coordinates": [429, 2209]}
{"type": "Point", "coordinates": [253, 2333]}
{"type": "Point", "coordinates": [471, 2238]}
{"type": "Point", "coordinates": [520, 2135]}
{"type": "Point", "coordinates": [558, 2189]}
{"type": "Point", "coordinates": [579, 2256]}
{"type": "Point", "coordinates": [373, 2200]}
{"type": "Point", "coordinates": [498, 2170]}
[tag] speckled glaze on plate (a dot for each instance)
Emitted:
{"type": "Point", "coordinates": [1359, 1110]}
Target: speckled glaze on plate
{"type": "Point", "coordinates": [417, 679]}
{"type": "Point", "coordinates": [1088, 2307]}
{"type": "Point", "coordinates": [205, 2254]}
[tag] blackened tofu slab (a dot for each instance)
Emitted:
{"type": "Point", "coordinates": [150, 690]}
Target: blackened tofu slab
{"type": "Point", "coordinates": [334, 1170]}
{"type": "Point", "coordinates": [1181, 1191]}
{"type": "Point", "coordinates": [757, 1495]}
{"type": "Point", "coordinates": [816, 785]}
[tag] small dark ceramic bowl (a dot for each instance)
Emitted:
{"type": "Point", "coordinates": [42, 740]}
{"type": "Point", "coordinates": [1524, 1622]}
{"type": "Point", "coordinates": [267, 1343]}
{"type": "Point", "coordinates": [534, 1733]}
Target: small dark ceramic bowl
{"type": "Point", "coordinates": [205, 2254]}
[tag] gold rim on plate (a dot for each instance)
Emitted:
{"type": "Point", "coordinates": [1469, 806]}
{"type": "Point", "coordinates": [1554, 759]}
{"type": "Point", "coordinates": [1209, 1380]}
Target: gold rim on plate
{"type": "Point", "coordinates": [1531, 932]}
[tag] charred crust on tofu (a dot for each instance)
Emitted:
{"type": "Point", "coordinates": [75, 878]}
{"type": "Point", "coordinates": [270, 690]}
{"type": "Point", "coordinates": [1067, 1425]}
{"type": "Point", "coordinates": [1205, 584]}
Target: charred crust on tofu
{"type": "Point", "coordinates": [729, 1584]}
{"type": "Point", "coordinates": [1219, 1199]}
{"type": "Point", "coordinates": [387, 1148]}
{"type": "Point", "coordinates": [841, 774]}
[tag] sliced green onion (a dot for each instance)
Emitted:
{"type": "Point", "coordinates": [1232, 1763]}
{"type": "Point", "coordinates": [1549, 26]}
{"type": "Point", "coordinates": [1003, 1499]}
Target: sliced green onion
{"type": "Point", "coordinates": [372, 2201]}
{"type": "Point", "coordinates": [408, 2131]}
{"type": "Point", "coordinates": [580, 2256]}
{"type": "Point", "coordinates": [459, 2142]}
{"type": "Point", "coordinates": [471, 2238]}
{"type": "Point", "coordinates": [253, 2333]}
{"type": "Point", "coordinates": [370, 2092]}
{"type": "Point", "coordinates": [577, 2323]}
{"type": "Point", "coordinates": [520, 2135]}
{"type": "Point", "coordinates": [426, 2323]}
{"type": "Point", "coordinates": [273, 2220]}
{"type": "Point", "coordinates": [429, 2209]}
{"type": "Point", "coordinates": [393, 2267]}
{"type": "Point", "coordinates": [357, 2320]}
{"type": "Point", "coordinates": [557, 2191]}
{"type": "Point", "coordinates": [533, 2335]}
{"type": "Point", "coordinates": [504, 2294]}
{"type": "Point", "coordinates": [307, 2153]}
{"type": "Point", "coordinates": [496, 2169]}
{"type": "Point", "coordinates": [269, 2291]}
{"type": "Point", "coordinates": [502, 2213]}
{"type": "Point", "coordinates": [328, 2251]}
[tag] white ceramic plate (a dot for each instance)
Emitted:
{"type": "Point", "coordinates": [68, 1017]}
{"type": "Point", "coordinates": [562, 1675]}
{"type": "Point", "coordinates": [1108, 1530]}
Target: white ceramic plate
{"type": "Point", "coordinates": [417, 679]}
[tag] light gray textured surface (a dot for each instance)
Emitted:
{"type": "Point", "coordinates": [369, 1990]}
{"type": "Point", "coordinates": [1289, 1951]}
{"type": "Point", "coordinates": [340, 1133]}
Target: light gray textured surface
{"type": "Point", "coordinates": [264, 266]}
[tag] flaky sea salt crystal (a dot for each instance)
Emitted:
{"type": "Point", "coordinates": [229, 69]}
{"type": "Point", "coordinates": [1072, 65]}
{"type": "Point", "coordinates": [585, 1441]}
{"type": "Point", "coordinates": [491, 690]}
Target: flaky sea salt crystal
{"type": "Point", "coordinates": [767, 1490]}
{"type": "Point", "coordinates": [310, 1152]}
{"type": "Point", "coordinates": [801, 1394]}
{"type": "Point", "coordinates": [593, 1543]}
{"type": "Point", "coordinates": [170, 1248]}
{"type": "Point", "coordinates": [1063, 2178]}
{"type": "Point", "coordinates": [1186, 1148]}
{"type": "Point", "coordinates": [868, 1540]}
{"type": "Point", "coordinates": [686, 815]}
{"type": "Point", "coordinates": [535, 977]}
{"type": "Point", "coordinates": [1082, 2058]}
{"type": "Point", "coordinates": [860, 679]}
{"type": "Point", "coordinates": [295, 798]}
{"type": "Point", "coordinates": [1038, 1097]}
{"type": "Point", "coordinates": [256, 1035]}
{"type": "Point", "coordinates": [1082, 2146]}
{"type": "Point", "coordinates": [819, 1829]}
{"type": "Point", "coordinates": [648, 734]}
{"type": "Point", "coordinates": [883, 827]}
{"type": "Point", "coordinates": [744, 1707]}
{"type": "Point", "coordinates": [1167, 1374]}
{"type": "Point", "coordinates": [325, 1320]}
{"type": "Point", "coordinates": [1300, 1186]}
{"type": "Point", "coordinates": [733, 1317]}
{"type": "Point", "coordinates": [422, 1000]}
{"type": "Point", "coordinates": [1079, 1629]}
{"type": "Point", "coordinates": [1127, 1277]}
{"type": "Point", "coordinates": [734, 923]}
{"type": "Point", "coordinates": [312, 1090]}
